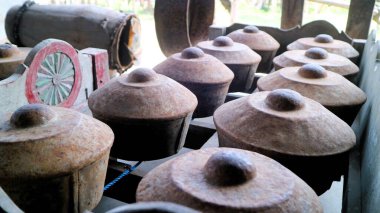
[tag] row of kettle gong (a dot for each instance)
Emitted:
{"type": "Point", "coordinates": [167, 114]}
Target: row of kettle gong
{"type": "Point", "coordinates": [149, 113]}
{"type": "Point", "coordinates": [299, 117]}
{"type": "Point", "coordinates": [195, 82]}
{"type": "Point", "coordinates": [293, 124]}
{"type": "Point", "coordinates": [284, 124]}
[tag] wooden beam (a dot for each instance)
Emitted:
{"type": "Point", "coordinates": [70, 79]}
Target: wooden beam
{"type": "Point", "coordinates": [359, 18]}
{"type": "Point", "coordinates": [292, 11]}
{"type": "Point", "coordinates": [332, 3]}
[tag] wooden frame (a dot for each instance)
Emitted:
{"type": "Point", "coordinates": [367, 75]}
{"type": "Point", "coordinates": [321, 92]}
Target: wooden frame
{"type": "Point", "coordinates": [362, 187]}
{"type": "Point", "coordinates": [358, 22]}
{"type": "Point", "coordinates": [45, 67]}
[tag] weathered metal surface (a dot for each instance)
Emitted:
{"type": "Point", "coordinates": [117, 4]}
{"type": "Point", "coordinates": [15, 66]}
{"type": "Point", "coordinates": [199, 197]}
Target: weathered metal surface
{"type": "Point", "coordinates": [81, 25]}
{"type": "Point", "coordinates": [203, 74]}
{"type": "Point", "coordinates": [328, 43]}
{"type": "Point", "coordinates": [182, 23]}
{"type": "Point", "coordinates": [333, 91]}
{"type": "Point", "coordinates": [54, 73]}
{"type": "Point", "coordinates": [294, 130]}
{"type": "Point", "coordinates": [242, 61]}
{"type": "Point", "coordinates": [10, 57]}
{"type": "Point", "coordinates": [143, 207]}
{"type": "Point", "coordinates": [259, 41]}
{"type": "Point", "coordinates": [316, 55]}
{"type": "Point", "coordinates": [148, 112]}
{"type": "Point", "coordinates": [53, 159]}
{"type": "Point", "coordinates": [285, 37]}
{"type": "Point", "coordinates": [228, 180]}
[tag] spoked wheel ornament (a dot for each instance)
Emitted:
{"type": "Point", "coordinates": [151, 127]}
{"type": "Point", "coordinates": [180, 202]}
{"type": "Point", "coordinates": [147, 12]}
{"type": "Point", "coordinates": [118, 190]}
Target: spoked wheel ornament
{"type": "Point", "coordinates": [55, 79]}
{"type": "Point", "coordinates": [54, 75]}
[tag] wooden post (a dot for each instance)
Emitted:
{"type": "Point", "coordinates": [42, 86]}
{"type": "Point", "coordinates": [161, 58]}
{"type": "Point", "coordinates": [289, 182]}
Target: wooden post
{"type": "Point", "coordinates": [359, 18]}
{"type": "Point", "coordinates": [234, 6]}
{"type": "Point", "coordinates": [292, 11]}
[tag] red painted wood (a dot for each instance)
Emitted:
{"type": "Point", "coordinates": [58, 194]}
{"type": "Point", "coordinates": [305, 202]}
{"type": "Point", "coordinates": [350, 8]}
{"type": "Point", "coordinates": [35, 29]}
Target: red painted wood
{"type": "Point", "coordinates": [100, 65]}
{"type": "Point", "coordinates": [39, 55]}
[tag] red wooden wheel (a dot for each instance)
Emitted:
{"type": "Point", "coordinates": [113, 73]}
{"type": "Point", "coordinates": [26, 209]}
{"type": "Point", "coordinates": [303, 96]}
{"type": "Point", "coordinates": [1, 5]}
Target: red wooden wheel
{"type": "Point", "coordinates": [54, 76]}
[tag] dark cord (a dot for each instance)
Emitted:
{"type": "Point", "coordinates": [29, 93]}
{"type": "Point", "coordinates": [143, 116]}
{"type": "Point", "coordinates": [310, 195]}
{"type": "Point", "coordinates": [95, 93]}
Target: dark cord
{"type": "Point", "coordinates": [125, 173]}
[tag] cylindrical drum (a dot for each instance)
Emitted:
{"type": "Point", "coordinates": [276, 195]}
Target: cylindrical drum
{"type": "Point", "coordinates": [182, 24]}
{"type": "Point", "coordinates": [81, 25]}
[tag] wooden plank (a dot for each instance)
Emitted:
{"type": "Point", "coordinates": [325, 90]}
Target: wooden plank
{"type": "Point", "coordinates": [370, 158]}
{"type": "Point", "coordinates": [200, 130]}
{"type": "Point", "coordinates": [358, 193]}
{"type": "Point", "coordinates": [292, 11]}
{"type": "Point", "coordinates": [351, 193]}
{"type": "Point", "coordinates": [6, 204]}
{"type": "Point", "coordinates": [212, 142]}
{"type": "Point", "coordinates": [106, 204]}
{"type": "Point", "coordinates": [359, 18]}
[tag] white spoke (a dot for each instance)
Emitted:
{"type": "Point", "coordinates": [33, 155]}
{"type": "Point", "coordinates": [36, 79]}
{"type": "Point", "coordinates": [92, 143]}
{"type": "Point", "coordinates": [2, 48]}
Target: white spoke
{"type": "Point", "coordinates": [55, 78]}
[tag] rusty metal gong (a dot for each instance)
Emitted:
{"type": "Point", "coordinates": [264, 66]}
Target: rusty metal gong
{"type": "Point", "coordinates": [330, 89]}
{"type": "Point", "coordinates": [228, 180]}
{"type": "Point", "coordinates": [10, 57]}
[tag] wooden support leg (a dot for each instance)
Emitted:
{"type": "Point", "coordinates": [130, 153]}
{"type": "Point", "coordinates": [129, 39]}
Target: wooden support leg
{"type": "Point", "coordinates": [292, 11]}
{"type": "Point", "coordinates": [359, 18]}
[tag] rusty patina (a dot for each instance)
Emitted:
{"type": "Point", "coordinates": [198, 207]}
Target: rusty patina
{"type": "Point", "coordinates": [53, 159]}
{"type": "Point", "coordinates": [160, 207]}
{"type": "Point", "coordinates": [10, 57]}
{"type": "Point", "coordinates": [259, 41]}
{"type": "Point", "coordinates": [148, 112]}
{"type": "Point", "coordinates": [182, 24]}
{"type": "Point", "coordinates": [332, 90]}
{"type": "Point", "coordinates": [316, 55]}
{"type": "Point", "coordinates": [228, 180]}
{"type": "Point", "coordinates": [296, 131]}
{"type": "Point", "coordinates": [328, 43]}
{"type": "Point", "coordinates": [242, 60]}
{"type": "Point", "coordinates": [203, 74]}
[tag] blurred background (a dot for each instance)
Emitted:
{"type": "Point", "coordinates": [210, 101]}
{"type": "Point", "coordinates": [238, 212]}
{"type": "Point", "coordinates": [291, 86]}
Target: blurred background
{"type": "Point", "coordinates": [258, 12]}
